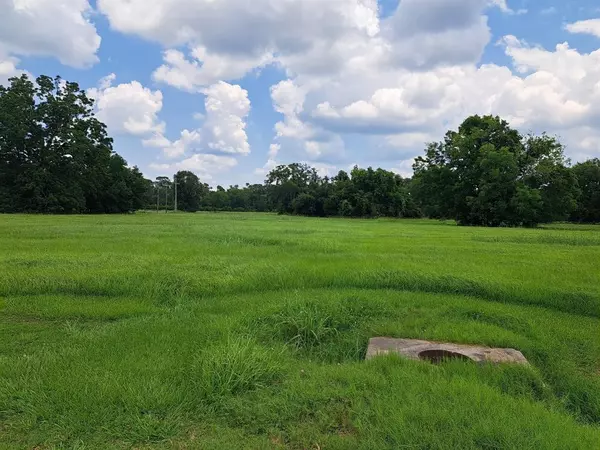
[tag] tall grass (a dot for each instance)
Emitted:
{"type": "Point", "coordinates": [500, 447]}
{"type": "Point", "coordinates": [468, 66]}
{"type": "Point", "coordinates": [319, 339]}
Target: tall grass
{"type": "Point", "coordinates": [249, 330]}
{"type": "Point", "coordinates": [232, 368]}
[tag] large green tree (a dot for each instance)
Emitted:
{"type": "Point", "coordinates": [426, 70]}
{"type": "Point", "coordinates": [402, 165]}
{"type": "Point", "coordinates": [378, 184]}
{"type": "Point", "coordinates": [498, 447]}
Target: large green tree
{"type": "Point", "coordinates": [286, 183]}
{"type": "Point", "coordinates": [588, 202]}
{"type": "Point", "coordinates": [487, 173]}
{"type": "Point", "coordinates": [55, 156]}
{"type": "Point", "coordinates": [190, 191]}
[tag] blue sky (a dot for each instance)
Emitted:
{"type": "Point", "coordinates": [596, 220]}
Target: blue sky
{"type": "Point", "coordinates": [231, 88]}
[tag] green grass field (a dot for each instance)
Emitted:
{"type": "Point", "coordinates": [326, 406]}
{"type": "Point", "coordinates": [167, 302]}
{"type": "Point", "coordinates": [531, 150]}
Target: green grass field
{"type": "Point", "coordinates": [249, 331]}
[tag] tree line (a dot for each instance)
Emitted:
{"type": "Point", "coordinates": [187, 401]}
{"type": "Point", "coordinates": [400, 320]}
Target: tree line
{"type": "Point", "coordinates": [485, 173]}
{"type": "Point", "coordinates": [294, 189]}
{"type": "Point", "coordinates": [56, 157]}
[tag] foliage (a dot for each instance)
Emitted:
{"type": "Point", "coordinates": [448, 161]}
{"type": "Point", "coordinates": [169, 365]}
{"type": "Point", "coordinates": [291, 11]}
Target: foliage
{"type": "Point", "coordinates": [298, 189]}
{"type": "Point", "coordinates": [588, 202]}
{"type": "Point", "coordinates": [488, 174]}
{"type": "Point", "coordinates": [55, 156]}
{"type": "Point", "coordinates": [249, 198]}
{"type": "Point", "coordinates": [294, 189]}
{"type": "Point", "coordinates": [189, 191]}
{"type": "Point", "coordinates": [288, 182]}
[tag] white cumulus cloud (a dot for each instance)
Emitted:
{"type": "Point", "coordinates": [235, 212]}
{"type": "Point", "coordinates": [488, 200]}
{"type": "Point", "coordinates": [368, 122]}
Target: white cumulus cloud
{"type": "Point", "coordinates": [189, 141]}
{"type": "Point", "coordinates": [203, 68]}
{"type": "Point", "coordinates": [591, 26]}
{"type": "Point", "coordinates": [9, 69]}
{"type": "Point", "coordinates": [227, 107]}
{"type": "Point", "coordinates": [128, 108]}
{"type": "Point", "coordinates": [395, 82]}
{"type": "Point", "coordinates": [56, 28]}
{"type": "Point", "coordinates": [206, 166]}
{"type": "Point", "coordinates": [212, 148]}
{"type": "Point", "coordinates": [227, 39]}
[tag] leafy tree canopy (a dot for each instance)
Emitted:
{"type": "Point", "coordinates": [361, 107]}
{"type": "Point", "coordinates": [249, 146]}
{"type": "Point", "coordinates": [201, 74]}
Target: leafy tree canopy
{"type": "Point", "coordinates": [488, 174]}
{"type": "Point", "coordinates": [56, 157]}
{"type": "Point", "coordinates": [588, 202]}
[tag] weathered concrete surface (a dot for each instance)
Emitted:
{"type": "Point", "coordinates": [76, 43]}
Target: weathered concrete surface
{"type": "Point", "coordinates": [436, 351]}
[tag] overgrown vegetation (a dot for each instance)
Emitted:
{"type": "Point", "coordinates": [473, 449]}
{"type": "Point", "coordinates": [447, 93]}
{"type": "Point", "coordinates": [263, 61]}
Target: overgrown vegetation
{"type": "Point", "coordinates": [56, 157]}
{"type": "Point", "coordinates": [249, 330]}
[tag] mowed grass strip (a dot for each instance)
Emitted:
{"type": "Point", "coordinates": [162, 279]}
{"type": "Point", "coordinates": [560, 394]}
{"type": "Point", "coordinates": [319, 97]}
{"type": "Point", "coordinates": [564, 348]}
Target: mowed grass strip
{"type": "Point", "coordinates": [249, 330]}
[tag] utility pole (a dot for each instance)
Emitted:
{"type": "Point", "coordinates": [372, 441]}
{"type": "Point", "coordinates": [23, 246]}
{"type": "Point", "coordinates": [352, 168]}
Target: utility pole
{"type": "Point", "coordinates": [157, 196]}
{"type": "Point", "coordinates": [166, 199]}
{"type": "Point", "coordinates": [175, 183]}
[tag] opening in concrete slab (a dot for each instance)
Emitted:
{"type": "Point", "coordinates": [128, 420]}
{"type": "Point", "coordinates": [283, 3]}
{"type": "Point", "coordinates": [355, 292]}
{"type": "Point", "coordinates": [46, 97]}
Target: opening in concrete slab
{"type": "Point", "coordinates": [436, 351]}
{"type": "Point", "coordinates": [439, 356]}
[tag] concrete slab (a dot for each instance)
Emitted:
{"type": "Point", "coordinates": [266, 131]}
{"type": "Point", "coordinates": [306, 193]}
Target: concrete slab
{"type": "Point", "coordinates": [436, 351]}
